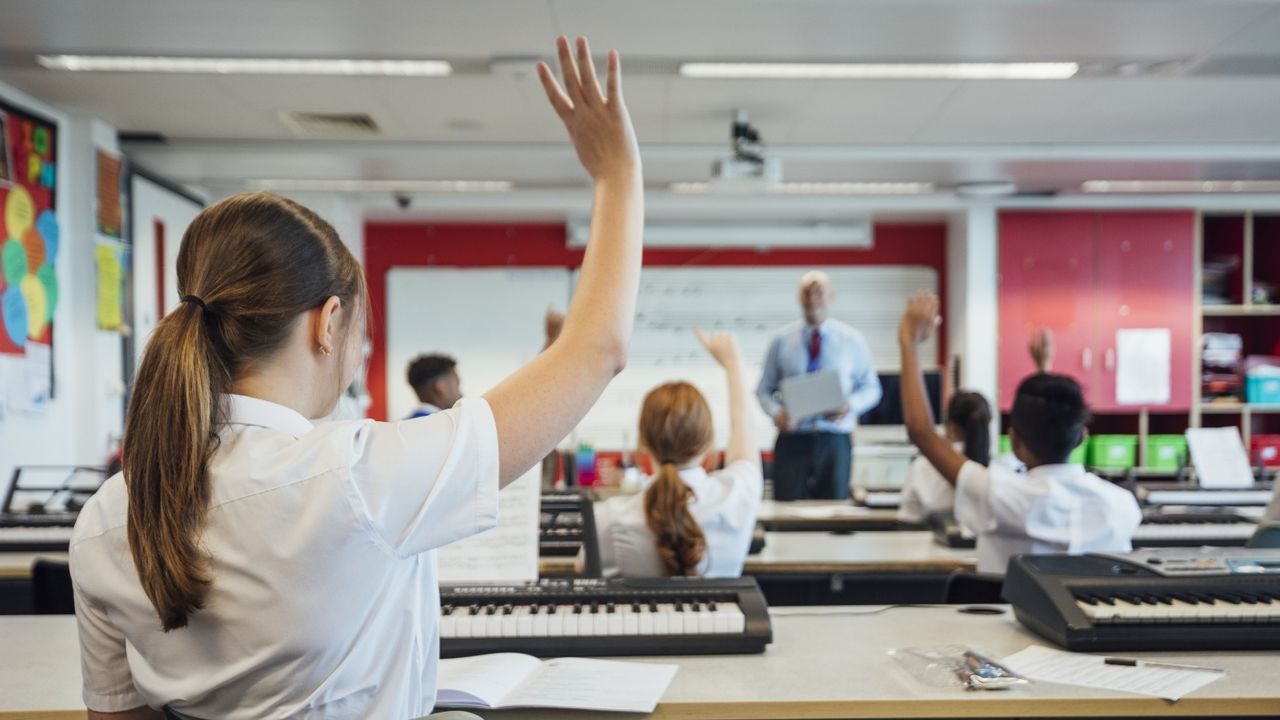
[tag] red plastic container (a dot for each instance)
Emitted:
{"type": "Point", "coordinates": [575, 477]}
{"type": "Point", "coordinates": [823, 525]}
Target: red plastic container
{"type": "Point", "coordinates": [1265, 448]}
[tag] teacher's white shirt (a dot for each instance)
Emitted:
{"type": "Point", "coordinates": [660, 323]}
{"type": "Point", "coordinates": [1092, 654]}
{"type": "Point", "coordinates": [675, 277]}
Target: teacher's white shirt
{"type": "Point", "coordinates": [324, 601]}
{"type": "Point", "coordinates": [725, 504]}
{"type": "Point", "coordinates": [1050, 509]}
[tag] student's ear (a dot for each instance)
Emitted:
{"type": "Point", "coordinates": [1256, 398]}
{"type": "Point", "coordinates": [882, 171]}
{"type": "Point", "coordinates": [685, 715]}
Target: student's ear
{"type": "Point", "coordinates": [1019, 450]}
{"type": "Point", "coordinates": [327, 326]}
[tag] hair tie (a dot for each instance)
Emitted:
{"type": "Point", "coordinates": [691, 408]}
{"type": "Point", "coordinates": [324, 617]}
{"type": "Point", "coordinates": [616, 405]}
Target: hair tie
{"type": "Point", "coordinates": [197, 301]}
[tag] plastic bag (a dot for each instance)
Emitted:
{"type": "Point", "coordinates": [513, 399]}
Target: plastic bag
{"type": "Point", "coordinates": [956, 666]}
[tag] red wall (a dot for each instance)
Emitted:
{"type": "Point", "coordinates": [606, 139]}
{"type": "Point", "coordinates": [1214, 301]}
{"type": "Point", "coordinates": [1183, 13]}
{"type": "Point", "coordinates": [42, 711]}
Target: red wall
{"type": "Point", "coordinates": [474, 245]}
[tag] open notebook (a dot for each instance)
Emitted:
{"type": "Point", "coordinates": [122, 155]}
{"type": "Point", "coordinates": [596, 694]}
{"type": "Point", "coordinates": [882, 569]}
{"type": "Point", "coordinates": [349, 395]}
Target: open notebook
{"type": "Point", "coordinates": [510, 680]}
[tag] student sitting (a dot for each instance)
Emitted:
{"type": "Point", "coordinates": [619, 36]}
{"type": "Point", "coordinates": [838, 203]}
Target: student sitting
{"type": "Point", "coordinates": [687, 522]}
{"type": "Point", "coordinates": [968, 428]}
{"type": "Point", "coordinates": [248, 564]}
{"type": "Point", "coordinates": [434, 379]}
{"type": "Point", "coordinates": [1056, 506]}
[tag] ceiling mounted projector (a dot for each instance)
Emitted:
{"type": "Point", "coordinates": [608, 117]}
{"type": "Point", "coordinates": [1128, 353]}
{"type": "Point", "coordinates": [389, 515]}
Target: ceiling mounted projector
{"type": "Point", "coordinates": [747, 169]}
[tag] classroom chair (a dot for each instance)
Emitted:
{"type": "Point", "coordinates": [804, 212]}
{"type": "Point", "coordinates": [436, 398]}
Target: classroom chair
{"type": "Point", "coordinates": [51, 592]}
{"type": "Point", "coordinates": [966, 588]}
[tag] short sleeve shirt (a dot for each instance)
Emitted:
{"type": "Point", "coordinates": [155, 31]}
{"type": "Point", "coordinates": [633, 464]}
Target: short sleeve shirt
{"type": "Point", "coordinates": [321, 543]}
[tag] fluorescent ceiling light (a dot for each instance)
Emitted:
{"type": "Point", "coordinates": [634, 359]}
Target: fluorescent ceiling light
{"type": "Point", "coordinates": [882, 71]}
{"type": "Point", "coordinates": [356, 186]}
{"type": "Point", "coordinates": [245, 66]}
{"type": "Point", "coordinates": [1181, 186]}
{"type": "Point", "coordinates": [821, 188]}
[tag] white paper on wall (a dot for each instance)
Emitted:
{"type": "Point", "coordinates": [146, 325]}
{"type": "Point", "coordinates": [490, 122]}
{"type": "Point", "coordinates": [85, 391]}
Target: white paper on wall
{"type": "Point", "coordinates": [1143, 375]}
{"type": "Point", "coordinates": [507, 553]}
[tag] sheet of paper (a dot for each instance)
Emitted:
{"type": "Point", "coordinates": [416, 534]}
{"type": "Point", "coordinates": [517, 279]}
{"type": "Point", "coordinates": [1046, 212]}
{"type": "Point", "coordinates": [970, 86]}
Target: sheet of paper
{"type": "Point", "coordinates": [1048, 665]}
{"type": "Point", "coordinates": [509, 552]}
{"type": "Point", "coordinates": [482, 680]}
{"type": "Point", "coordinates": [1142, 366]}
{"type": "Point", "coordinates": [825, 513]}
{"type": "Point", "coordinates": [585, 684]}
{"type": "Point", "coordinates": [1219, 457]}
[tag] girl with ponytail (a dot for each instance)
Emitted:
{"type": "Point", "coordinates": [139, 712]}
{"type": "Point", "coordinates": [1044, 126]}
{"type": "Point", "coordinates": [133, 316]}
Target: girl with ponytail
{"type": "Point", "coordinates": [968, 427]}
{"type": "Point", "coordinates": [249, 564]}
{"type": "Point", "coordinates": [687, 522]}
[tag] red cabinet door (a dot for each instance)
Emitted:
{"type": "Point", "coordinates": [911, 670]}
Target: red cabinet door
{"type": "Point", "coordinates": [1146, 279]}
{"type": "Point", "coordinates": [1046, 280]}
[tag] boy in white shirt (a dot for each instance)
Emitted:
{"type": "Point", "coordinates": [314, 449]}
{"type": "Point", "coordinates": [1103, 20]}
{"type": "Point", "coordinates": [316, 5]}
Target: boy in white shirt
{"type": "Point", "coordinates": [1056, 506]}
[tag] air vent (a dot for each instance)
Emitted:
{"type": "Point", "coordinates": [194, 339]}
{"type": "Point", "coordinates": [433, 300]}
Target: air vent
{"type": "Point", "coordinates": [330, 125]}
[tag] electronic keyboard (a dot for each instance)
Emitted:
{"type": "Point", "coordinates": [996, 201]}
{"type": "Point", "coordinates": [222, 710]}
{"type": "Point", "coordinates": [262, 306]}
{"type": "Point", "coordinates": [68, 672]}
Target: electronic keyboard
{"type": "Point", "coordinates": [1160, 528]}
{"type": "Point", "coordinates": [35, 533]}
{"type": "Point", "coordinates": [1190, 527]}
{"type": "Point", "coordinates": [1156, 599]}
{"type": "Point", "coordinates": [1187, 494]}
{"type": "Point", "coordinates": [884, 499]}
{"type": "Point", "coordinates": [581, 617]}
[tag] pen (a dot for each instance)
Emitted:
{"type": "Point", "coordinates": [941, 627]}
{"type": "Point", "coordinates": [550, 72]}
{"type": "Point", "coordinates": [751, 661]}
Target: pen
{"type": "Point", "coordinates": [1134, 662]}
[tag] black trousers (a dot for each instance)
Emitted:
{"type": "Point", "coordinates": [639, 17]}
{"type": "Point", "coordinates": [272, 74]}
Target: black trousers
{"type": "Point", "coordinates": [812, 466]}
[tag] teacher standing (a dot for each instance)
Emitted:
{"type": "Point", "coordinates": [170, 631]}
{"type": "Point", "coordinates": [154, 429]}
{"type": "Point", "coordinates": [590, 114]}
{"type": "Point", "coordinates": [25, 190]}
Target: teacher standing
{"type": "Point", "coordinates": [813, 457]}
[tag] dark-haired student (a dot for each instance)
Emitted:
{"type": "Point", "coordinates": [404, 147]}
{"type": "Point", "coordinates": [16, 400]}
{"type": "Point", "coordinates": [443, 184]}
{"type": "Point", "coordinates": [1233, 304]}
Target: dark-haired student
{"type": "Point", "coordinates": [687, 521]}
{"type": "Point", "coordinates": [1057, 506]}
{"type": "Point", "coordinates": [968, 428]}
{"type": "Point", "coordinates": [434, 379]}
{"type": "Point", "coordinates": [249, 564]}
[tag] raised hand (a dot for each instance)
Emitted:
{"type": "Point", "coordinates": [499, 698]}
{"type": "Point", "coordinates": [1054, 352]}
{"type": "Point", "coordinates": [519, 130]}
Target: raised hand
{"type": "Point", "coordinates": [722, 346]}
{"type": "Point", "coordinates": [598, 125]}
{"type": "Point", "coordinates": [1041, 349]}
{"type": "Point", "coordinates": [920, 318]}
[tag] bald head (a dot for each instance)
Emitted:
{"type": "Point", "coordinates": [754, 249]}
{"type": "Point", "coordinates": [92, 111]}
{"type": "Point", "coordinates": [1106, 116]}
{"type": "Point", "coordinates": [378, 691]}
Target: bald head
{"type": "Point", "coordinates": [816, 295]}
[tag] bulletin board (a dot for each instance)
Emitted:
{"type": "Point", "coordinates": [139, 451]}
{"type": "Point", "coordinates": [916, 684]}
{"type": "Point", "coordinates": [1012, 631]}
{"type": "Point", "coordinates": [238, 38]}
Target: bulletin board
{"type": "Point", "coordinates": [29, 242]}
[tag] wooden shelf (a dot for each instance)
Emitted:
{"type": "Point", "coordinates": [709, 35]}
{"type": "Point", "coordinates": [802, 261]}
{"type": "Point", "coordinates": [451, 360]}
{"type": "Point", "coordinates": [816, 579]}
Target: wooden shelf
{"type": "Point", "coordinates": [1240, 310]}
{"type": "Point", "coordinates": [1237, 408]}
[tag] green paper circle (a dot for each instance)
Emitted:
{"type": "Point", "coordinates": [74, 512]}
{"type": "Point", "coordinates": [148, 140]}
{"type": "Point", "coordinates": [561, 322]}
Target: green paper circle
{"type": "Point", "coordinates": [49, 279]}
{"type": "Point", "coordinates": [14, 259]}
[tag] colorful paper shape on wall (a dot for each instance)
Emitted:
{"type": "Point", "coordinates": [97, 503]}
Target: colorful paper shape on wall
{"type": "Point", "coordinates": [110, 189]}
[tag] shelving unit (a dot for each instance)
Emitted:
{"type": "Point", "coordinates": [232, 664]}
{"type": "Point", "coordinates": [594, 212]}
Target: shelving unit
{"type": "Point", "coordinates": [1253, 238]}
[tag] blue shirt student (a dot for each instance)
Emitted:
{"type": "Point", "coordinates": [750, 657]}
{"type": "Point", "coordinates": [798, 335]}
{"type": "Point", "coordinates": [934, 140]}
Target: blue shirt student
{"type": "Point", "coordinates": [840, 348]}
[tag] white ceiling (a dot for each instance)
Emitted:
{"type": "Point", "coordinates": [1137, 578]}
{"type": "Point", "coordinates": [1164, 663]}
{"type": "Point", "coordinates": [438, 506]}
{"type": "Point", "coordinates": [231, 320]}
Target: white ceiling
{"type": "Point", "coordinates": [477, 124]}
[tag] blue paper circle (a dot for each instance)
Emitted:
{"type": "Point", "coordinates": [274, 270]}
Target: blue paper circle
{"type": "Point", "coordinates": [13, 307]}
{"type": "Point", "coordinates": [47, 226]}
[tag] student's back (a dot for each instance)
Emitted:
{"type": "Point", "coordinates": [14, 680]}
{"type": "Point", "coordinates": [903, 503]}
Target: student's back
{"type": "Point", "coordinates": [1050, 509]}
{"type": "Point", "coordinates": [725, 505]}
{"type": "Point", "coordinates": [325, 531]}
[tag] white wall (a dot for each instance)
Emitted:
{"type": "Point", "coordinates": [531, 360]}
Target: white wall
{"type": "Point", "coordinates": [86, 411]}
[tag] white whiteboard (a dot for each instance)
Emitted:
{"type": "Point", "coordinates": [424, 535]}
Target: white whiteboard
{"type": "Point", "coordinates": [753, 303]}
{"type": "Point", "coordinates": [491, 321]}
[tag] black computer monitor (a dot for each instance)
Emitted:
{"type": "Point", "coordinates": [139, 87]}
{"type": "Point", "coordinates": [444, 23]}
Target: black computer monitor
{"type": "Point", "coordinates": [889, 411]}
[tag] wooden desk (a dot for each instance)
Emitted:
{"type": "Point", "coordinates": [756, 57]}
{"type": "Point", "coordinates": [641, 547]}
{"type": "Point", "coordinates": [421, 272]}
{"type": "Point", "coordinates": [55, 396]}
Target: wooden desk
{"type": "Point", "coordinates": [826, 515]}
{"type": "Point", "coordinates": [823, 663]}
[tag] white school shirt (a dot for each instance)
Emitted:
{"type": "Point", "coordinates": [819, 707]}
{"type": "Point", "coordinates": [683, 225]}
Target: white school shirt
{"type": "Point", "coordinates": [725, 504]}
{"type": "Point", "coordinates": [925, 492]}
{"type": "Point", "coordinates": [1051, 509]}
{"type": "Point", "coordinates": [324, 601]}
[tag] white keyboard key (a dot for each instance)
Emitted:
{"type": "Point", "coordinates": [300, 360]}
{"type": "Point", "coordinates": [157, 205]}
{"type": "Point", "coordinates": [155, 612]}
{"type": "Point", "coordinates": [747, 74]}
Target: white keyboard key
{"type": "Point", "coordinates": [601, 622]}
{"type": "Point", "coordinates": [524, 621]}
{"type": "Point", "coordinates": [542, 623]}
{"type": "Point", "coordinates": [616, 621]}
{"type": "Point", "coordinates": [662, 619]}
{"type": "Point", "coordinates": [647, 621]}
